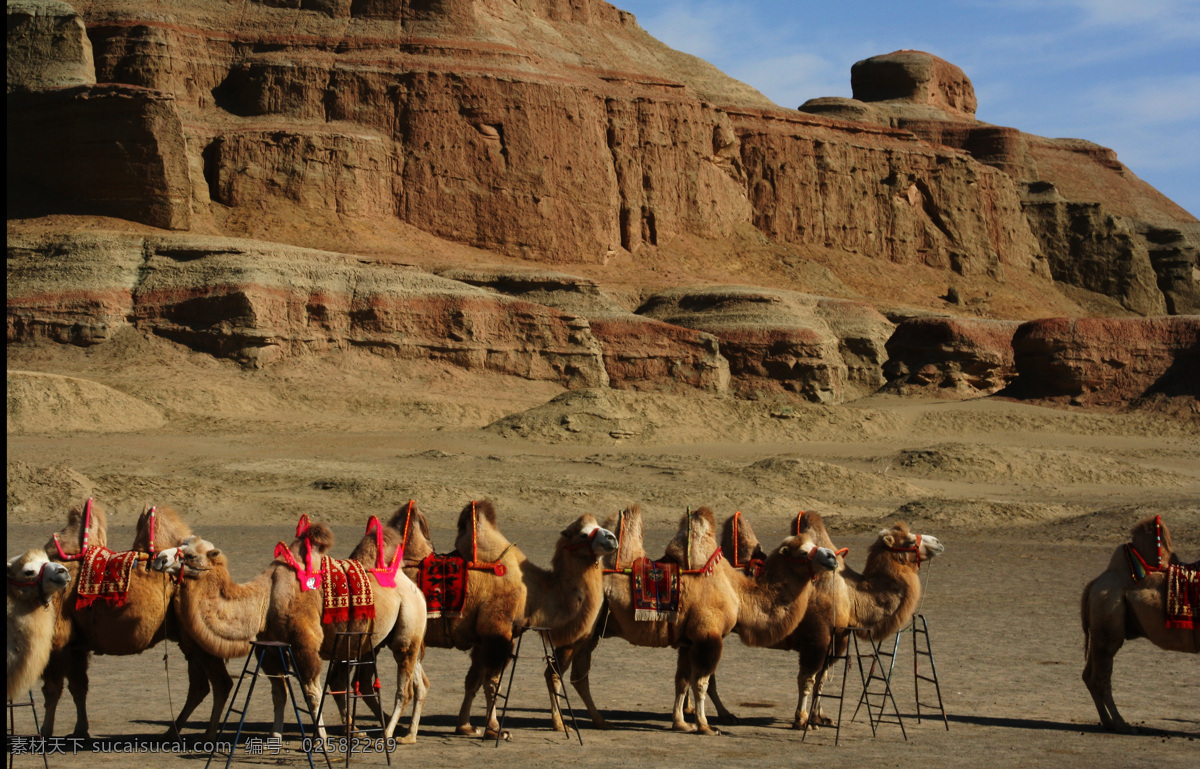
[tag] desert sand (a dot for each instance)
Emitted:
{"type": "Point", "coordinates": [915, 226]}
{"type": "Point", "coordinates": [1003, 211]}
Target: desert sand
{"type": "Point", "coordinates": [1030, 502]}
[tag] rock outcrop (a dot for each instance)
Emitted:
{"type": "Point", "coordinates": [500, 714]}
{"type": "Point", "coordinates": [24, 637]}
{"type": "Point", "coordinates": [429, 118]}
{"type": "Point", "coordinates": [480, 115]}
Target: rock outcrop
{"type": "Point", "coordinates": [950, 357]}
{"type": "Point", "coordinates": [1108, 361]}
{"type": "Point", "coordinates": [780, 342]}
{"type": "Point", "coordinates": [256, 303]}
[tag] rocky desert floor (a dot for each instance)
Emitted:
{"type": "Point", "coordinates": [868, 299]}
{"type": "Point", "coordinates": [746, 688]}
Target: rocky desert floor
{"type": "Point", "coordinates": [1029, 501]}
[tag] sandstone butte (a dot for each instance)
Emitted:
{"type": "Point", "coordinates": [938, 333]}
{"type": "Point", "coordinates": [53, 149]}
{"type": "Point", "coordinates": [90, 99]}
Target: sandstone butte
{"type": "Point", "coordinates": [542, 189]}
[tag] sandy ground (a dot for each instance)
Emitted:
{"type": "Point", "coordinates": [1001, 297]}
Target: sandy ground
{"type": "Point", "coordinates": [1029, 501]}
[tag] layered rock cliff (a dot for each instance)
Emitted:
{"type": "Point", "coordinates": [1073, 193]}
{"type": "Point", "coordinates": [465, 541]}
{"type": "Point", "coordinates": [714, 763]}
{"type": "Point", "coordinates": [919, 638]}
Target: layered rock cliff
{"type": "Point", "coordinates": [546, 131]}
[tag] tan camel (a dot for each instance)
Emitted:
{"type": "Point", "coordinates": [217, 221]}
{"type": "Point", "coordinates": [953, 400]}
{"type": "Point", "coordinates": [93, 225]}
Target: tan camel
{"type": "Point", "coordinates": [506, 594]}
{"type": "Point", "coordinates": [881, 599]}
{"type": "Point", "coordinates": [33, 579]}
{"type": "Point", "coordinates": [122, 628]}
{"type": "Point", "coordinates": [1130, 600]}
{"type": "Point", "coordinates": [714, 601]}
{"type": "Point", "coordinates": [224, 617]}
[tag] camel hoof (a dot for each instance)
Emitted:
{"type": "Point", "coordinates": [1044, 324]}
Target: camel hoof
{"type": "Point", "coordinates": [682, 727]}
{"type": "Point", "coordinates": [708, 731]}
{"type": "Point", "coordinates": [276, 735]}
{"type": "Point", "coordinates": [468, 731]}
{"type": "Point", "coordinates": [80, 735]}
{"type": "Point", "coordinates": [492, 734]}
{"type": "Point", "coordinates": [816, 721]}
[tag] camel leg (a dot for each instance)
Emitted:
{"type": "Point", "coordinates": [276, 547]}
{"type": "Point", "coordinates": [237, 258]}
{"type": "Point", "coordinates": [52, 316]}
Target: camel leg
{"type": "Point", "coordinates": [813, 673]}
{"type": "Point", "coordinates": [279, 701]}
{"type": "Point", "coordinates": [1104, 634]}
{"type": "Point", "coordinates": [308, 666]}
{"type": "Point", "coordinates": [563, 656]}
{"type": "Point", "coordinates": [77, 682]}
{"type": "Point", "coordinates": [222, 684]}
{"type": "Point", "coordinates": [581, 667]}
{"type": "Point", "coordinates": [52, 688]}
{"type": "Point", "coordinates": [704, 655]}
{"type": "Point", "coordinates": [411, 684]}
{"type": "Point", "coordinates": [683, 679]}
{"type": "Point", "coordinates": [198, 688]}
{"type": "Point", "coordinates": [722, 712]}
{"type": "Point", "coordinates": [488, 660]}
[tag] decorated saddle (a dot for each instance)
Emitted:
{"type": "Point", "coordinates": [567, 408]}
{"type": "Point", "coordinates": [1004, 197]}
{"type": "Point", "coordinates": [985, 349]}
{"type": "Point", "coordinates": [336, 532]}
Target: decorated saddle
{"type": "Point", "coordinates": [346, 590]}
{"type": "Point", "coordinates": [104, 576]}
{"type": "Point", "coordinates": [655, 590]}
{"type": "Point", "coordinates": [443, 580]}
{"type": "Point", "coordinates": [1183, 595]}
{"type": "Point", "coordinates": [1183, 581]}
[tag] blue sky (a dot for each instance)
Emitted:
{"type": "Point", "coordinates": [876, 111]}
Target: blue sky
{"type": "Point", "coordinates": [1121, 73]}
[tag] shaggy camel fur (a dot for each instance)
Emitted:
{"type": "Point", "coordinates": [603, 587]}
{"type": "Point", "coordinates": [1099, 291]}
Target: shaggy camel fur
{"type": "Point", "coordinates": [132, 628]}
{"type": "Point", "coordinates": [715, 600]}
{"type": "Point", "coordinates": [1118, 605]}
{"type": "Point", "coordinates": [506, 594]}
{"type": "Point", "coordinates": [224, 617]}
{"type": "Point", "coordinates": [33, 579]}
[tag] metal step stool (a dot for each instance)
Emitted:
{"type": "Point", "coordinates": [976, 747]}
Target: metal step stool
{"type": "Point", "coordinates": [559, 696]}
{"type": "Point", "coordinates": [357, 656]}
{"type": "Point", "coordinates": [258, 651]}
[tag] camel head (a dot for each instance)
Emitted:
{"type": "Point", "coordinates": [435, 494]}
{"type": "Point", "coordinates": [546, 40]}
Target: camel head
{"type": "Point", "coordinates": [587, 538]}
{"type": "Point", "coordinates": [33, 574]}
{"type": "Point", "coordinates": [805, 557]}
{"type": "Point", "coordinates": [189, 560]}
{"type": "Point", "coordinates": [906, 547]}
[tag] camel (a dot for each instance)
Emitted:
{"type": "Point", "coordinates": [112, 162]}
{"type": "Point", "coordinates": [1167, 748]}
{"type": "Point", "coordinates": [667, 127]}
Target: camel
{"type": "Point", "coordinates": [506, 593]}
{"type": "Point", "coordinates": [225, 617]}
{"type": "Point", "coordinates": [131, 627]}
{"type": "Point", "coordinates": [881, 599]}
{"type": "Point", "coordinates": [33, 579]}
{"type": "Point", "coordinates": [715, 600]}
{"type": "Point", "coordinates": [1130, 600]}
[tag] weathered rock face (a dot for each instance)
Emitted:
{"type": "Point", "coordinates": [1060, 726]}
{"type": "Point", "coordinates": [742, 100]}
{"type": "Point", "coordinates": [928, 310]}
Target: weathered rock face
{"type": "Point", "coordinates": [257, 303]}
{"type": "Point", "coordinates": [102, 149]}
{"type": "Point", "coordinates": [779, 342]}
{"type": "Point", "coordinates": [640, 353]}
{"type": "Point", "coordinates": [914, 77]}
{"type": "Point", "coordinates": [1108, 361]}
{"type": "Point", "coordinates": [950, 357]}
{"type": "Point", "coordinates": [48, 46]}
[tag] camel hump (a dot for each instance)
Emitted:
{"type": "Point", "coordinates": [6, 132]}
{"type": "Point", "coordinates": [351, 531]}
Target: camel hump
{"type": "Point", "coordinates": [87, 518]}
{"type": "Point", "coordinates": [813, 525]}
{"type": "Point", "coordinates": [319, 535]}
{"type": "Point", "coordinates": [739, 544]}
{"type": "Point", "coordinates": [695, 540]}
{"type": "Point", "coordinates": [1152, 540]}
{"type": "Point", "coordinates": [478, 536]}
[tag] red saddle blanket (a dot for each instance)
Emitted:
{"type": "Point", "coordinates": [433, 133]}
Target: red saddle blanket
{"type": "Point", "coordinates": [655, 590]}
{"type": "Point", "coordinates": [443, 580]}
{"type": "Point", "coordinates": [1183, 596]}
{"type": "Point", "coordinates": [104, 576]}
{"type": "Point", "coordinates": [346, 591]}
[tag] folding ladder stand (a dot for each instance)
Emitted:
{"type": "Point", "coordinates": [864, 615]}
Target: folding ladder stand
{"type": "Point", "coordinates": [559, 697]}
{"type": "Point", "coordinates": [356, 655]}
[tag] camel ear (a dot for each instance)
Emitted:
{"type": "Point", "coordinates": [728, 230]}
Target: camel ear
{"type": "Point", "coordinates": [785, 550]}
{"type": "Point", "coordinates": [888, 539]}
{"type": "Point", "coordinates": [213, 553]}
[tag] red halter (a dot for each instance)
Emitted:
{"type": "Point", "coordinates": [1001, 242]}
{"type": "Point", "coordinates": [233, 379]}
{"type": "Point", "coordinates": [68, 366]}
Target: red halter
{"type": "Point", "coordinates": [914, 548]}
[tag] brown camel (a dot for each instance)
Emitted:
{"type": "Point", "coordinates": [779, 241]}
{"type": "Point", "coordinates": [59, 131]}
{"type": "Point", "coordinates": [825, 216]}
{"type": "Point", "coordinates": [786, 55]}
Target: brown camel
{"type": "Point", "coordinates": [1130, 600]}
{"type": "Point", "coordinates": [880, 600]}
{"type": "Point", "coordinates": [506, 594]}
{"type": "Point", "coordinates": [122, 626]}
{"type": "Point", "coordinates": [714, 601]}
{"type": "Point", "coordinates": [224, 617]}
{"type": "Point", "coordinates": [33, 579]}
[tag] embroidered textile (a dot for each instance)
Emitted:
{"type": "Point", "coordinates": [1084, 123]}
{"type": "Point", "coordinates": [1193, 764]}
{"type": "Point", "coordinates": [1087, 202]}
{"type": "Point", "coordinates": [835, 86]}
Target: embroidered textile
{"type": "Point", "coordinates": [347, 592]}
{"type": "Point", "coordinates": [655, 590]}
{"type": "Point", "coordinates": [104, 576]}
{"type": "Point", "coordinates": [1183, 596]}
{"type": "Point", "coordinates": [443, 580]}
